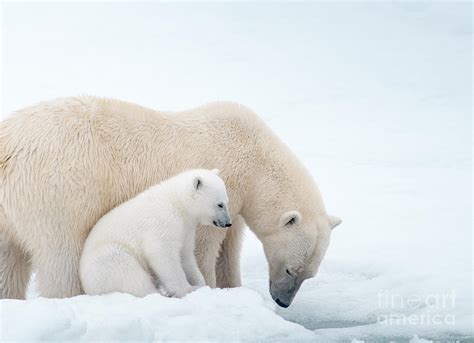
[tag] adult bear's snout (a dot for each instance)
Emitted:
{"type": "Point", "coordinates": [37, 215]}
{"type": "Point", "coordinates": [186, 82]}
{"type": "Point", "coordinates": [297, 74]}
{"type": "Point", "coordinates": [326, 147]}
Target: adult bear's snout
{"type": "Point", "coordinates": [283, 291]}
{"type": "Point", "coordinates": [277, 300]}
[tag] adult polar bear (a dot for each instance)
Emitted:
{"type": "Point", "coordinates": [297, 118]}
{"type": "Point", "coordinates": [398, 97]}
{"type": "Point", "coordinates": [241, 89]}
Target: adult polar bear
{"type": "Point", "coordinates": [66, 162]}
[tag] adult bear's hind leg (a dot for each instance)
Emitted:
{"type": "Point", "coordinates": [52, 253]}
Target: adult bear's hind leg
{"type": "Point", "coordinates": [15, 269]}
{"type": "Point", "coordinates": [58, 268]}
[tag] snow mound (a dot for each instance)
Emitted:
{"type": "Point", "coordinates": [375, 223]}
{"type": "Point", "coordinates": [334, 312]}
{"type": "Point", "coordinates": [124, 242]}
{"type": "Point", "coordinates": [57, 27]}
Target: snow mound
{"type": "Point", "coordinates": [207, 314]}
{"type": "Point", "coordinates": [416, 339]}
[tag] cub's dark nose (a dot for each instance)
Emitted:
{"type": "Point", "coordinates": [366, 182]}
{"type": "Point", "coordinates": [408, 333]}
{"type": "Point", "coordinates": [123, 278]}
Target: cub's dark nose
{"type": "Point", "coordinates": [281, 304]}
{"type": "Point", "coordinates": [228, 225]}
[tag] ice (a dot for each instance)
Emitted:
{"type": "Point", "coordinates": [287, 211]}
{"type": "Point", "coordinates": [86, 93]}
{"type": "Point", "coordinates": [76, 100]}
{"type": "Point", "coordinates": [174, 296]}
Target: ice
{"type": "Point", "coordinates": [375, 99]}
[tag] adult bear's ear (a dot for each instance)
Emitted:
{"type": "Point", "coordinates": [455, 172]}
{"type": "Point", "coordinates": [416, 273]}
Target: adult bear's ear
{"type": "Point", "coordinates": [197, 183]}
{"type": "Point", "coordinates": [334, 221]}
{"type": "Point", "coordinates": [290, 218]}
{"type": "Point", "coordinates": [216, 171]}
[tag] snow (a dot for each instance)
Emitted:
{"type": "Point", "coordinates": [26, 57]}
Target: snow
{"type": "Point", "coordinates": [202, 315]}
{"type": "Point", "coordinates": [374, 98]}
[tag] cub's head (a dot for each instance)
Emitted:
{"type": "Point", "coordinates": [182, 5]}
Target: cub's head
{"type": "Point", "coordinates": [209, 198]}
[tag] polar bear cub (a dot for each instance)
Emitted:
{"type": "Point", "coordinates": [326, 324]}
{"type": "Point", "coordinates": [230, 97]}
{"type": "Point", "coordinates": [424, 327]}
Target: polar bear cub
{"type": "Point", "coordinates": [148, 241]}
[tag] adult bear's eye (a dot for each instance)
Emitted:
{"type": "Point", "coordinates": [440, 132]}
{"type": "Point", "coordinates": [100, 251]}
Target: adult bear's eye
{"type": "Point", "coordinates": [221, 205]}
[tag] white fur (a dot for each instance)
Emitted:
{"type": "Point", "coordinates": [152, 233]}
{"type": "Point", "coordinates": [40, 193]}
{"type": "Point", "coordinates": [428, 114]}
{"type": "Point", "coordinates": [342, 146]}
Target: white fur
{"type": "Point", "coordinates": [67, 162]}
{"type": "Point", "coordinates": [148, 241]}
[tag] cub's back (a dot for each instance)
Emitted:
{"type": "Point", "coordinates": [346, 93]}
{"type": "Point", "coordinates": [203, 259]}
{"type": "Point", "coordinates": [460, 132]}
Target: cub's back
{"type": "Point", "coordinates": [148, 215]}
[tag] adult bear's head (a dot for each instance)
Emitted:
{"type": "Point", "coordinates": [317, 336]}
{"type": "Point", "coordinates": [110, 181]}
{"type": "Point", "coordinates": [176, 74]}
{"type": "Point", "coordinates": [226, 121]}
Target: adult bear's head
{"type": "Point", "coordinates": [285, 210]}
{"type": "Point", "coordinates": [294, 250]}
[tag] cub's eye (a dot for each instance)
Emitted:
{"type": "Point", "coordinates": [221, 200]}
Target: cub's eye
{"type": "Point", "coordinates": [289, 273]}
{"type": "Point", "coordinates": [221, 205]}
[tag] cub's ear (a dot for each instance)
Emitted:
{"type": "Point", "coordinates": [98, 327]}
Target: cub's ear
{"type": "Point", "coordinates": [197, 183]}
{"type": "Point", "coordinates": [334, 221]}
{"type": "Point", "coordinates": [216, 171]}
{"type": "Point", "coordinates": [290, 218]}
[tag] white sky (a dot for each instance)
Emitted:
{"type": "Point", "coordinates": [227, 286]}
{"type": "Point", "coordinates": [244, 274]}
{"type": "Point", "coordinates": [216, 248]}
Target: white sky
{"type": "Point", "coordinates": [374, 97]}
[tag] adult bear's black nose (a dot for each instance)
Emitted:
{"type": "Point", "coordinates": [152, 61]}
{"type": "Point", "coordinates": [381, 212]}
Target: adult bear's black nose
{"type": "Point", "coordinates": [228, 225]}
{"type": "Point", "coordinates": [281, 304]}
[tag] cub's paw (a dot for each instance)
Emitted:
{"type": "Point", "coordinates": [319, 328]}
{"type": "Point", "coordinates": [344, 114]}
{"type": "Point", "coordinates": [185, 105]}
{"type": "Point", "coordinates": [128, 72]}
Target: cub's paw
{"type": "Point", "coordinates": [193, 288]}
{"type": "Point", "coordinates": [198, 282]}
{"type": "Point", "coordinates": [182, 292]}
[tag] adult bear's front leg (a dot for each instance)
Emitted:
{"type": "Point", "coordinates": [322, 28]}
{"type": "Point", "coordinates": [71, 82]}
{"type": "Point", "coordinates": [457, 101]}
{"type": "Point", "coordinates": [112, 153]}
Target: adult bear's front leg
{"type": "Point", "coordinates": [208, 243]}
{"type": "Point", "coordinates": [228, 262]}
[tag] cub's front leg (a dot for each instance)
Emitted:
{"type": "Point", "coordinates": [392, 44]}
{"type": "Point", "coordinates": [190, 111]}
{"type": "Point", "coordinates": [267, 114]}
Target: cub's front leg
{"type": "Point", "coordinates": [191, 269]}
{"type": "Point", "coordinates": [165, 261]}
